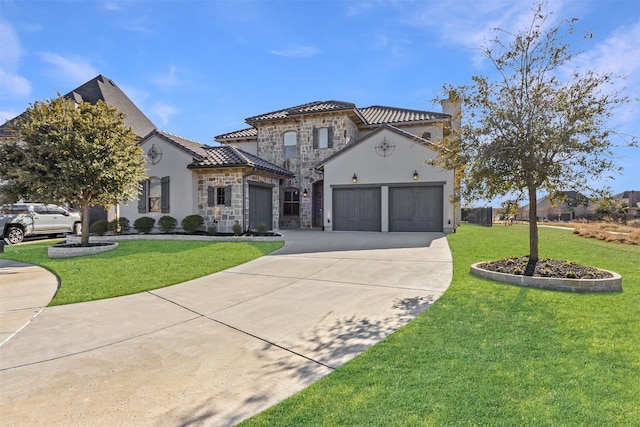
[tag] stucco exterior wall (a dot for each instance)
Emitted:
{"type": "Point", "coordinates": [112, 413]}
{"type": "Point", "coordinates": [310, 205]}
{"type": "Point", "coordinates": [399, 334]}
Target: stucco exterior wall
{"type": "Point", "coordinates": [398, 167]}
{"type": "Point", "coordinates": [182, 182]}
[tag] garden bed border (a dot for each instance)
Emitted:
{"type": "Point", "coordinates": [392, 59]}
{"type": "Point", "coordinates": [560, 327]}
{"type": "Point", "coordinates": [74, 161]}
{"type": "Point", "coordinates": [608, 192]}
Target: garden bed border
{"type": "Point", "coordinates": [611, 284]}
{"type": "Point", "coordinates": [124, 237]}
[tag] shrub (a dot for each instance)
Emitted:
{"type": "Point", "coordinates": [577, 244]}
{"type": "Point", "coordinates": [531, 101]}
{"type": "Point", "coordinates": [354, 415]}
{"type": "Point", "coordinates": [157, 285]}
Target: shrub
{"type": "Point", "coordinates": [144, 224]}
{"type": "Point", "coordinates": [262, 228]}
{"type": "Point", "coordinates": [123, 225]}
{"type": "Point", "coordinates": [100, 227]}
{"type": "Point", "coordinates": [212, 230]}
{"type": "Point", "coordinates": [191, 223]}
{"type": "Point", "coordinates": [119, 225]}
{"type": "Point", "coordinates": [167, 223]}
{"type": "Point", "coordinates": [237, 229]}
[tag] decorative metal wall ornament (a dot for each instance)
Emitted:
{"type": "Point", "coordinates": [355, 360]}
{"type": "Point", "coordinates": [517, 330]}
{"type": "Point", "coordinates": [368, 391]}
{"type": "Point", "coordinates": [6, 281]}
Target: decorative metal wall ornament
{"type": "Point", "coordinates": [154, 154]}
{"type": "Point", "coordinates": [385, 147]}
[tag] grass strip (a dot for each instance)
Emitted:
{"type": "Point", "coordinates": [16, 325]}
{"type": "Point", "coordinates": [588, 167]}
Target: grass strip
{"type": "Point", "coordinates": [136, 266]}
{"type": "Point", "coordinates": [488, 353]}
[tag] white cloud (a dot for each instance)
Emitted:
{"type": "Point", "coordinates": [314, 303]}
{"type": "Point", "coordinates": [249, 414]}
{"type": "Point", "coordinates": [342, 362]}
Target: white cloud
{"type": "Point", "coordinates": [7, 115]}
{"type": "Point", "coordinates": [12, 85]}
{"type": "Point", "coordinates": [164, 112]}
{"type": "Point", "coordinates": [71, 69]}
{"type": "Point", "coordinates": [296, 51]}
{"type": "Point", "coordinates": [168, 80]}
{"type": "Point", "coordinates": [472, 25]}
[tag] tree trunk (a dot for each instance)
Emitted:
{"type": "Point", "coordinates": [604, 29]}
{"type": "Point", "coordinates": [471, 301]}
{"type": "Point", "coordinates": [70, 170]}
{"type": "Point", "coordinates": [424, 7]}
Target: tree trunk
{"type": "Point", "coordinates": [533, 232]}
{"type": "Point", "coordinates": [84, 240]}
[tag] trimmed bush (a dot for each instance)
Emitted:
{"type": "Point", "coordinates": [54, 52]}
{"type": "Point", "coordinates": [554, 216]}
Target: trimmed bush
{"type": "Point", "coordinates": [167, 224]}
{"type": "Point", "coordinates": [212, 230]}
{"type": "Point", "coordinates": [237, 229]}
{"type": "Point", "coordinates": [192, 223]}
{"type": "Point", "coordinates": [100, 227]}
{"type": "Point", "coordinates": [119, 225]}
{"type": "Point", "coordinates": [262, 228]}
{"type": "Point", "coordinates": [123, 225]}
{"type": "Point", "coordinates": [144, 224]}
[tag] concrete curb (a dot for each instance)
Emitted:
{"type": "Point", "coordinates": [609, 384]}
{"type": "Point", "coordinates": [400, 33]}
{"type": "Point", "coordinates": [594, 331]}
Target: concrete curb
{"type": "Point", "coordinates": [613, 284]}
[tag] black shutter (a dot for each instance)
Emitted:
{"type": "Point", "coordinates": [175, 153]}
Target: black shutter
{"type": "Point", "coordinates": [330, 137]}
{"type": "Point", "coordinates": [142, 200]}
{"type": "Point", "coordinates": [211, 196]}
{"type": "Point", "coordinates": [315, 138]}
{"type": "Point", "coordinates": [164, 194]}
{"type": "Point", "coordinates": [227, 195]}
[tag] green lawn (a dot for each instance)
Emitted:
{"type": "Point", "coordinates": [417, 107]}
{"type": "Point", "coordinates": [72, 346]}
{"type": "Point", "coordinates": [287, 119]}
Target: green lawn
{"type": "Point", "coordinates": [137, 266]}
{"type": "Point", "coordinates": [493, 354]}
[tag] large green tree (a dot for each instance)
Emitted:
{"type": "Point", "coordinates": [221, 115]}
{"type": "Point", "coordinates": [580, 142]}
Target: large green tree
{"type": "Point", "coordinates": [78, 153]}
{"type": "Point", "coordinates": [531, 128]}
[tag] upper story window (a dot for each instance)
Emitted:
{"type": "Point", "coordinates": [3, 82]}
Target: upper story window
{"type": "Point", "coordinates": [322, 137]}
{"type": "Point", "coordinates": [290, 144]}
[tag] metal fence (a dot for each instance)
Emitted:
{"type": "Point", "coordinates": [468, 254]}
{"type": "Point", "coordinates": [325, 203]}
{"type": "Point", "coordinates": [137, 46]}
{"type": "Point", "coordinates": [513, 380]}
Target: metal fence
{"type": "Point", "coordinates": [479, 216]}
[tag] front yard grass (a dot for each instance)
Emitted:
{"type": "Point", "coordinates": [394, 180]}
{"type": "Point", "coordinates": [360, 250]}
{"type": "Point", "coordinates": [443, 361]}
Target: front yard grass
{"type": "Point", "coordinates": [488, 353]}
{"type": "Point", "coordinates": [136, 266]}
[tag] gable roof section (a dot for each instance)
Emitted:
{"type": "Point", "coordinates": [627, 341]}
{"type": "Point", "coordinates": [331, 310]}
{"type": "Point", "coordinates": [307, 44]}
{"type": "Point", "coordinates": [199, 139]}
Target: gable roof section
{"type": "Point", "coordinates": [244, 134]}
{"type": "Point", "coordinates": [377, 114]}
{"type": "Point", "coordinates": [194, 148]}
{"type": "Point", "coordinates": [226, 156]}
{"type": "Point", "coordinates": [310, 108]}
{"type": "Point", "coordinates": [104, 89]}
{"type": "Point", "coordinates": [385, 126]}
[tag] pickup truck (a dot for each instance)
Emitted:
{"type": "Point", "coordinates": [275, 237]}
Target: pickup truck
{"type": "Point", "coordinates": [30, 219]}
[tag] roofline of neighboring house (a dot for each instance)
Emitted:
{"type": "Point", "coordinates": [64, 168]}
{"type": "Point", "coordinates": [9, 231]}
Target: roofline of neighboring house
{"type": "Point", "coordinates": [168, 138]}
{"type": "Point", "coordinates": [380, 128]}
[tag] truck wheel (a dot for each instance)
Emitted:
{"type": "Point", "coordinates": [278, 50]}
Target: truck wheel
{"type": "Point", "coordinates": [15, 235]}
{"type": "Point", "coordinates": [77, 228]}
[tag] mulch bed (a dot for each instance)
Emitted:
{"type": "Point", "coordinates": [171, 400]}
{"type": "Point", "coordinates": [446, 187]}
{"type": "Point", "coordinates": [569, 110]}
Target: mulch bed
{"type": "Point", "coordinates": [545, 267]}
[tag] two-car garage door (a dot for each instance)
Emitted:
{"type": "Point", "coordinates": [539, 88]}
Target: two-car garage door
{"type": "Point", "coordinates": [411, 208]}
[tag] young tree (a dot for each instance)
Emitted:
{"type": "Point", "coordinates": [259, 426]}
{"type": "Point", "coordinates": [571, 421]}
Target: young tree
{"type": "Point", "coordinates": [530, 129]}
{"type": "Point", "coordinates": [68, 152]}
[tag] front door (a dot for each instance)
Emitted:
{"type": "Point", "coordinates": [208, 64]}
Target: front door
{"type": "Point", "coordinates": [317, 201]}
{"type": "Point", "coordinates": [260, 206]}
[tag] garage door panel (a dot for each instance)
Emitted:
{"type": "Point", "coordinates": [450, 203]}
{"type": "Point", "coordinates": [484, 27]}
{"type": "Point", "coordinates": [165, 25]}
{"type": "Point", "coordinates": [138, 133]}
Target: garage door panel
{"type": "Point", "coordinates": [415, 209]}
{"type": "Point", "coordinates": [356, 209]}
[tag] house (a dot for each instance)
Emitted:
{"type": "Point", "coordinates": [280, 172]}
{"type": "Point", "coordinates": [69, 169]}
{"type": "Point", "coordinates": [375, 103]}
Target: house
{"type": "Point", "coordinates": [325, 164]}
{"type": "Point", "coordinates": [101, 88]}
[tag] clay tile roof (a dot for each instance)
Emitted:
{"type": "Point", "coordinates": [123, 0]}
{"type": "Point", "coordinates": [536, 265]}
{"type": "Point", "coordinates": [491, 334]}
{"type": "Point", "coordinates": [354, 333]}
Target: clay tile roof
{"type": "Point", "coordinates": [230, 156]}
{"type": "Point", "coordinates": [194, 148]}
{"type": "Point", "coordinates": [377, 114]}
{"type": "Point", "coordinates": [239, 134]}
{"type": "Point", "coordinates": [312, 107]}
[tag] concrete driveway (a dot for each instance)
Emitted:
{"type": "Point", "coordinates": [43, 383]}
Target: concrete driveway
{"type": "Point", "coordinates": [216, 350]}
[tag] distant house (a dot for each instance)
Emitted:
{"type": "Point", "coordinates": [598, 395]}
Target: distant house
{"type": "Point", "coordinates": [579, 206]}
{"type": "Point", "coordinates": [325, 164]}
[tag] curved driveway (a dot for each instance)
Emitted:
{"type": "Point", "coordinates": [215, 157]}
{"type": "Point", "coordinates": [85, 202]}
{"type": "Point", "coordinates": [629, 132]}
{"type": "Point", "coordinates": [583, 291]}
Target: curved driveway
{"type": "Point", "coordinates": [218, 349]}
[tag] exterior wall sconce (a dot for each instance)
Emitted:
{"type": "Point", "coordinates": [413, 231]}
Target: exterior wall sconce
{"type": "Point", "coordinates": [415, 175]}
{"type": "Point", "coordinates": [305, 193]}
{"type": "Point", "coordinates": [354, 179]}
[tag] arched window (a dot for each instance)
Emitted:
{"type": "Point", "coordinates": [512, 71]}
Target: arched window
{"type": "Point", "coordinates": [291, 206]}
{"type": "Point", "coordinates": [290, 144]}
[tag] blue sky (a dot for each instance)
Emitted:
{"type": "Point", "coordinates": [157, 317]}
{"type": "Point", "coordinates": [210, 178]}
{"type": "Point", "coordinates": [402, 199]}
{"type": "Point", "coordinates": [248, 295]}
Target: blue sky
{"type": "Point", "coordinates": [199, 68]}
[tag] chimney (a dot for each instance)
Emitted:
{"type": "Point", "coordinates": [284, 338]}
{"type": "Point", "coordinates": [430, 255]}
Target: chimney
{"type": "Point", "coordinates": [453, 106]}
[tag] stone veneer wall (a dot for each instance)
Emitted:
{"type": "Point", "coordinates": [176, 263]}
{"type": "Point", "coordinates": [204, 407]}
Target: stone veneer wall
{"type": "Point", "coordinates": [224, 217]}
{"type": "Point", "coordinates": [271, 148]}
